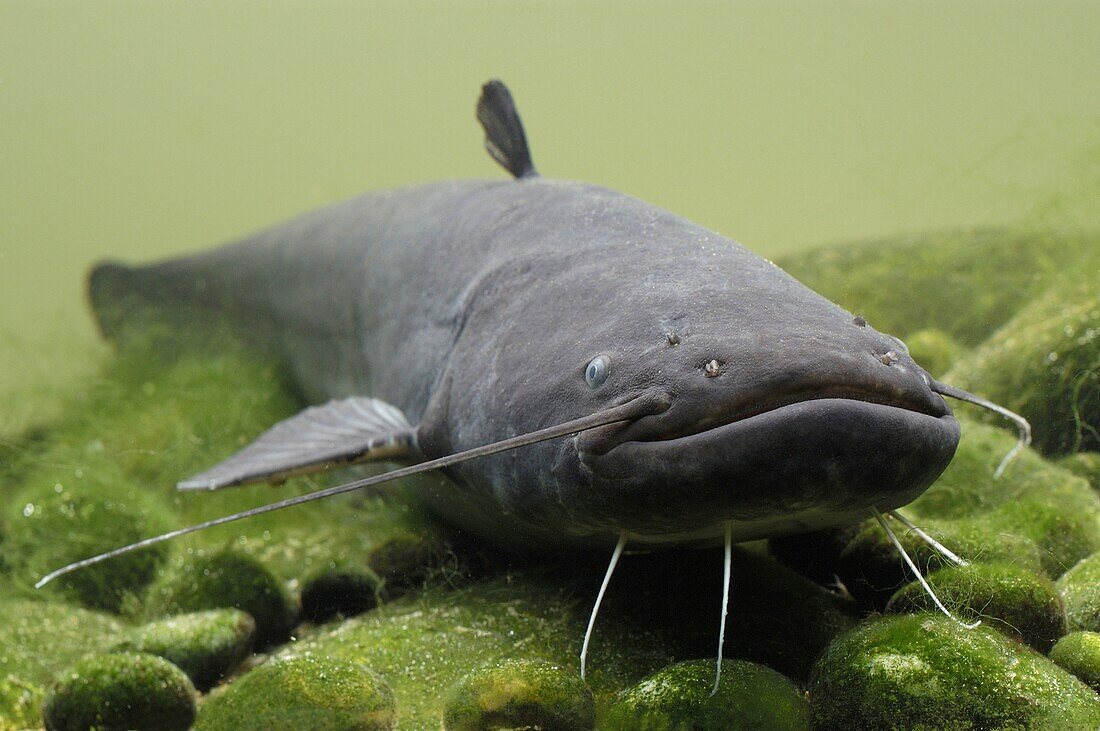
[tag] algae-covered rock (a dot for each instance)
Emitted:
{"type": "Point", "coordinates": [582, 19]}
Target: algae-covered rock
{"type": "Point", "coordinates": [20, 703]}
{"type": "Point", "coordinates": [1045, 364]}
{"type": "Point", "coordinates": [1033, 498]}
{"type": "Point", "coordinates": [516, 694]}
{"type": "Point", "coordinates": [121, 691]}
{"type": "Point", "coordinates": [1079, 653]}
{"type": "Point", "coordinates": [39, 639]}
{"type": "Point", "coordinates": [1083, 464]}
{"type": "Point", "coordinates": [925, 671]}
{"type": "Point", "coordinates": [225, 578]}
{"type": "Point", "coordinates": [339, 590]}
{"type": "Point", "coordinates": [1080, 590]}
{"type": "Point", "coordinates": [405, 561]}
{"type": "Point", "coordinates": [425, 643]}
{"type": "Point", "coordinates": [966, 283]}
{"type": "Point", "coordinates": [934, 350]}
{"type": "Point", "coordinates": [304, 692]}
{"type": "Point", "coordinates": [48, 529]}
{"type": "Point", "coordinates": [1015, 601]}
{"type": "Point", "coordinates": [678, 697]}
{"type": "Point", "coordinates": [205, 645]}
{"type": "Point", "coordinates": [658, 608]}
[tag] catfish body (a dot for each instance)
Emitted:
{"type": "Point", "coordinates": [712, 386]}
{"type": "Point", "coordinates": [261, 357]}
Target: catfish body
{"type": "Point", "coordinates": [474, 307]}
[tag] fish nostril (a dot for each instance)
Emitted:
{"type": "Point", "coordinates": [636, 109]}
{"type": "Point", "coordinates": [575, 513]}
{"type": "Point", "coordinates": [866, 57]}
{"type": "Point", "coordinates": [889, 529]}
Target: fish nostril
{"type": "Point", "coordinates": [712, 369]}
{"type": "Point", "coordinates": [889, 358]}
{"type": "Point", "coordinates": [858, 321]}
{"type": "Point", "coordinates": [673, 338]}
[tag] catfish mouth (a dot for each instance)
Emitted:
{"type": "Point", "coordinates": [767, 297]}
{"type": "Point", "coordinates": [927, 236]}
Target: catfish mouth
{"type": "Point", "coordinates": [601, 440]}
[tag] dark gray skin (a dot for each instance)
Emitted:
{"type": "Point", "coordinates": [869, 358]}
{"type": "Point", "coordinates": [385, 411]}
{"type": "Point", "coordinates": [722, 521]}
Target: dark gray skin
{"type": "Point", "coordinates": [475, 307]}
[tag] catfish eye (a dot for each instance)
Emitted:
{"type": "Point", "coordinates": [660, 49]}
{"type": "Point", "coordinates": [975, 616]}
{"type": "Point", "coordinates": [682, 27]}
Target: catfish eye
{"type": "Point", "coordinates": [597, 371]}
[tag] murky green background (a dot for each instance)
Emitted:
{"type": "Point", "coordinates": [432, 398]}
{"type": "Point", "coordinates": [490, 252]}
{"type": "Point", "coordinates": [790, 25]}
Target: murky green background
{"type": "Point", "coordinates": [135, 130]}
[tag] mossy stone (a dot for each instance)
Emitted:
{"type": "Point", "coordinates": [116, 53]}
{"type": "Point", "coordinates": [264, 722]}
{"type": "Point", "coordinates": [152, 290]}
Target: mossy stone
{"type": "Point", "coordinates": [678, 698]}
{"type": "Point", "coordinates": [20, 703]}
{"type": "Point", "coordinates": [405, 562]}
{"type": "Point", "coordinates": [205, 645]}
{"type": "Point", "coordinates": [427, 642]}
{"type": "Point", "coordinates": [226, 578]}
{"type": "Point", "coordinates": [1079, 653]}
{"type": "Point", "coordinates": [1083, 464]}
{"type": "Point", "coordinates": [303, 692]}
{"type": "Point", "coordinates": [927, 672]}
{"type": "Point", "coordinates": [934, 350]}
{"type": "Point", "coordinates": [39, 639]}
{"type": "Point", "coordinates": [1008, 598]}
{"type": "Point", "coordinates": [121, 691]}
{"type": "Point", "coordinates": [1045, 364]}
{"type": "Point", "coordinates": [48, 529]}
{"type": "Point", "coordinates": [1033, 499]}
{"type": "Point", "coordinates": [337, 590]}
{"type": "Point", "coordinates": [521, 694]}
{"type": "Point", "coordinates": [1080, 590]}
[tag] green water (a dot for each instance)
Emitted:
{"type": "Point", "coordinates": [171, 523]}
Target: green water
{"type": "Point", "coordinates": [136, 130]}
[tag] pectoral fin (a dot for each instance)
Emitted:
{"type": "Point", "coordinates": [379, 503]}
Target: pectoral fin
{"type": "Point", "coordinates": [335, 434]}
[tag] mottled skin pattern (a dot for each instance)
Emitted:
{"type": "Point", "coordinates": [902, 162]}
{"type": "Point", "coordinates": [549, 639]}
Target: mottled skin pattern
{"type": "Point", "coordinates": [475, 307]}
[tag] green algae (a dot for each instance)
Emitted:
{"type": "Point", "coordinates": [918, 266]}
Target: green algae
{"type": "Point", "coordinates": [161, 413]}
{"type": "Point", "coordinates": [1079, 653]}
{"type": "Point", "coordinates": [305, 692]}
{"type": "Point", "coordinates": [225, 578]}
{"type": "Point", "coordinates": [120, 691]}
{"type": "Point", "coordinates": [1045, 364]}
{"type": "Point", "coordinates": [205, 645]}
{"type": "Point", "coordinates": [41, 638]}
{"type": "Point", "coordinates": [1083, 464]}
{"type": "Point", "coordinates": [934, 350]}
{"type": "Point", "coordinates": [659, 608]}
{"type": "Point", "coordinates": [926, 672]}
{"type": "Point", "coordinates": [406, 561]}
{"type": "Point", "coordinates": [520, 694]}
{"type": "Point", "coordinates": [1008, 598]}
{"type": "Point", "coordinates": [426, 642]}
{"type": "Point", "coordinates": [749, 697]}
{"type": "Point", "coordinates": [966, 283]}
{"type": "Point", "coordinates": [1080, 590]}
{"type": "Point", "coordinates": [338, 591]}
{"type": "Point", "coordinates": [20, 703]}
{"type": "Point", "coordinates": [58, 526]}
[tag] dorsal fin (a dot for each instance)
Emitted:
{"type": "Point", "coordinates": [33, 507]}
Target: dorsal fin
{"type": "Point", "coordinates": [504, 137]}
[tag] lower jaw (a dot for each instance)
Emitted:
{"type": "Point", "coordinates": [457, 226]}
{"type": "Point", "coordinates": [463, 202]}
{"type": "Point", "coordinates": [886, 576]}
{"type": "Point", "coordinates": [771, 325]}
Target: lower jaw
{"type": "Point", "coordinates": [803, 467]}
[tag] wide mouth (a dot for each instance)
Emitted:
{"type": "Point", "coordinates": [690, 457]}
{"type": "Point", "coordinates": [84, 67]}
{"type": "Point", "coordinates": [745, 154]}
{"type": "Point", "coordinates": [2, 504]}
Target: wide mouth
{"type": "Point", "coordinates": [666, 427]}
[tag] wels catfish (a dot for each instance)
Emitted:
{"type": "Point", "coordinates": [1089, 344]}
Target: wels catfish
{"type": "Point", "coordinates": [586, 369]}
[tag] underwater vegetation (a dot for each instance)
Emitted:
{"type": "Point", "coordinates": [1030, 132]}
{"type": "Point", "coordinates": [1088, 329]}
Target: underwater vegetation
{"type": "Point", "coordinates": [360, 612]}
